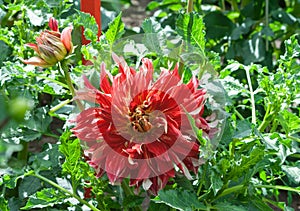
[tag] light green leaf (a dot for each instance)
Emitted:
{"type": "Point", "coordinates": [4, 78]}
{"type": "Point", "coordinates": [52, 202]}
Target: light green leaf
{"type": "Point", "coordinates": [44, 198]}
{"type": "Point", "coordinates": [292, 172]}
{"type": "Point", "coordinates": [151, 26]}
{"type": "Point", "coordinates": [115, 30]}
{"type": "Point", "coordinates": [179, 199]}
{"type": "Point", "coordinates": [289, 121]}
{"type": "Point", "coordinates": [191, 28]}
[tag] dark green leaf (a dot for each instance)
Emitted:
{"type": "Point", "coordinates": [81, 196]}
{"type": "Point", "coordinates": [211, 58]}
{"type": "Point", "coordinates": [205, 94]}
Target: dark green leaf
{"type": "Point", "coordinates": [28, 186]}
{"type": "Point", "coordinates": [217, 25]}
{"type": "Point", "coordinates": [133, 201]}
{"type": "Point", "coordinates": [179, 199]}
{"type": "Point", "coordinates": [5, 51]}
{"type": "Point", "coordinates": [227, 206]}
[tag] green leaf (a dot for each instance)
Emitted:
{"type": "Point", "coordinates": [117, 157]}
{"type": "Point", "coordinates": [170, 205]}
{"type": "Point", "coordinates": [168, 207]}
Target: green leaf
{"type": "Point", "coordinates": [132, 201]}
{"type": "Point", "coordinates": [5, 52]}
{"type": "Point", "coordinates": [44, 198]}
{"type": "Point", "coordinates": [3, 204]}
{"type": "Point", "coordinates": [28, 186]}
{"type": "Point", "coordinates": [115, 30]}
{"type": "Point", "coordinates": [190, 26]}
{"type": "Point", "coordinates": [217, 25]}
{"type": "Point", "coordinates": [227, 206]}
{"type": "Point", "coordinates": [292, 172]}
{"type": "Point", "coordinates": [243, 130]}
{"type": "Point", "coordinates": [216, 182]}
{"type": "Point", "coordinates": [151, 26]}
{"type": "Point", "coordinates": [179, 199]}
{"type": "Point", "coordinates": [89, 23]}
{"type": "Point", "coordinates": [49, 159]}
{"type": "Point", "coordinates": [289, 121]}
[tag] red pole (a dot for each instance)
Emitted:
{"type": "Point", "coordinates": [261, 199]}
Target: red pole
{"type": "Point", "coordinates": [92, 7]}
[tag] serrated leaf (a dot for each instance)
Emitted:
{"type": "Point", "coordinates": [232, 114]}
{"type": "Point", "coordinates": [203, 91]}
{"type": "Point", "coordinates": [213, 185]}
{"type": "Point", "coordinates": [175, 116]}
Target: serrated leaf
{"type": "Point", "coordinates": [179, 199]}
{"type": "Point", "coordinates": [289, 121]}
{"type": "Point", "coordinates": [151, 26]}
{"type": "Point", "coordinates": [190, 26]}
{"type": "Point", "coordinates": [115, 30]}
{"type": "Point", "coordinates": [90, 25]}
{"type": "Point", "coordinates": [44, 198]}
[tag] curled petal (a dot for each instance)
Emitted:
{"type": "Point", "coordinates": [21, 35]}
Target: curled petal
{"type": "Point", "coordinates": [53, 24]}
{"type": "Point", "coordinates": [66, 38]}
{"type": "Point", "coordinates": [33, 46]}
{"type": "Point", "coordinates": [37, 61]}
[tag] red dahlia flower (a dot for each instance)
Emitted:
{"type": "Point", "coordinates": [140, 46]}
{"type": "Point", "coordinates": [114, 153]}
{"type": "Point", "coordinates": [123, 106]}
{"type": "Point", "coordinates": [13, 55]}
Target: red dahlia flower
{"type": "Point", "coordinates": [52, 46]}
{"type": "Point", "coordinates": [140, 129]}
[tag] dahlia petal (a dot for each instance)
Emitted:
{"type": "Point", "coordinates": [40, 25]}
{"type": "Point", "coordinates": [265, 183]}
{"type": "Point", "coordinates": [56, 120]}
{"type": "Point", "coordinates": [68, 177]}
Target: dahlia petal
{"type": "Point", "coordinates": [53, 24]}
{"type": "Point", "coordinates": [36, 61]}
{"type": "Point", "coordinates": [66, 38]}
{"type": "Point", "coordinates": [33, 46]}
{"type": "Point", "coordinates": [104, 82]}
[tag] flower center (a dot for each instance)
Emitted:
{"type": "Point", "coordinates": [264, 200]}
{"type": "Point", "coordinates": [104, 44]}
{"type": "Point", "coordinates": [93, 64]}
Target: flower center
{"type": "Point", "coordinates": [140, 118]}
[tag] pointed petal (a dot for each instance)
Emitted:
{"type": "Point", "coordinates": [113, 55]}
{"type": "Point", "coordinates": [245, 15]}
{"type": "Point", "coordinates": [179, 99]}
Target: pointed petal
{"type": "Point", "coordinates": [104, 82]}
{"type": "Point", "coordinates": [37, 61]}
{"type": "Point", "coordinates": [66, 38]}
{"type": "Point", "coordinates": [32, 46]}
{"type": "Point", "coordinates": [53, 24]}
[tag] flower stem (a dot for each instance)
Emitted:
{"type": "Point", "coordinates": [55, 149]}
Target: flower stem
{"type": "Point", "coordinates": [279, 187]}
{"type": "Point", "coordinates": [32, 173]}
{"type": "Point", "coordinates": [247, 70]}
{"type": "Point", "coordinates": [129, 192]}
{"type": "Point", "coordinates": [68, 79]}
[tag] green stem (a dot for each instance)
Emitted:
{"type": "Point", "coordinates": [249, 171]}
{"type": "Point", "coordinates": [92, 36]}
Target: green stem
{"type": "Point", "coordinates": [59, 106]}
{"type": "Point", "coordinates": [293, 138]}
{"type": "Point", "coordinates": [68, 79]}
{"type": "Point", "coordinates": [247, 70]}
{"type": "Point", "coordinates": [238, 114]}
{"type": "Point", "coordinates": [53, 80]}
{"type": "Point", "coordinates": [279, 187]}
{"type": "Point", "coordinates": [265, 121]}
{"type": "Point", "coordinates": [230, 190]}
{"type": "Point", "coordinates": [32, 173]}
{"type": "Point", "coordinates": [128, 192]}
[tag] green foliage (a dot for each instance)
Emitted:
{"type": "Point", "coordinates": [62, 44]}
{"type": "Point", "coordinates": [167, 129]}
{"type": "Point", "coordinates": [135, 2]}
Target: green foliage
{"type": "Point", "coordinates": [179, 199]}
{"type": "Point", "coordinates": [115, 30]}
{"type": "Point", "coordinates": [251, 45]}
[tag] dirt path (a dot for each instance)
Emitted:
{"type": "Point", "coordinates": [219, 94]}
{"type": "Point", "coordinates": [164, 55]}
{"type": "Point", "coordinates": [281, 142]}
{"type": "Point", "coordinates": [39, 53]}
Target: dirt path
{"type": "Point", "coordinates": [136, 13]}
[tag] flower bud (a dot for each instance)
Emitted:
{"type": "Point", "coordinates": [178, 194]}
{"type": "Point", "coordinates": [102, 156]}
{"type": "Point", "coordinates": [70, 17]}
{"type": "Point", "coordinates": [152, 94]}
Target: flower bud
{"type": "Point", "coordinates": [51, 46]}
